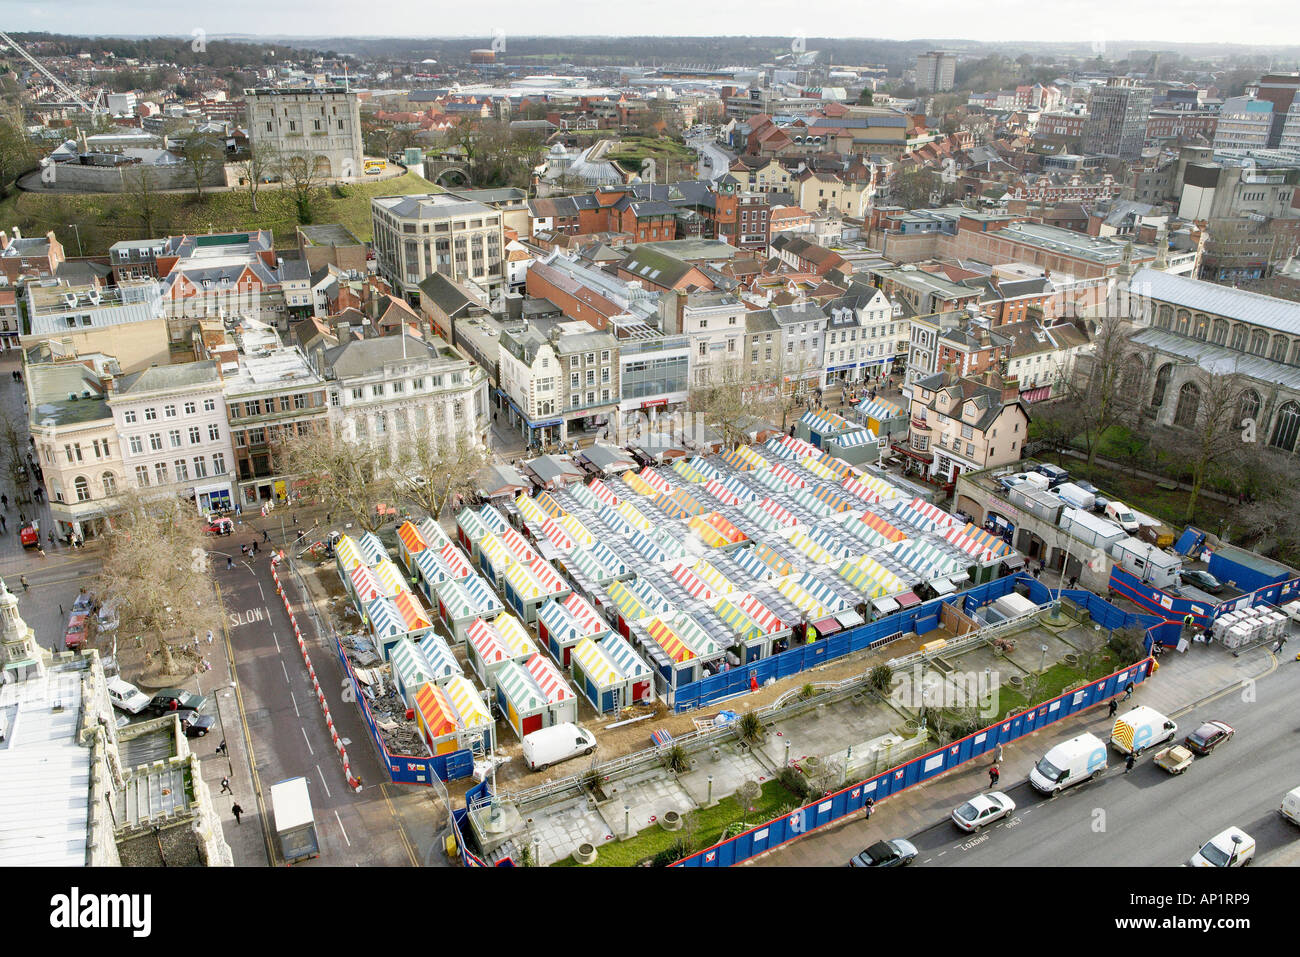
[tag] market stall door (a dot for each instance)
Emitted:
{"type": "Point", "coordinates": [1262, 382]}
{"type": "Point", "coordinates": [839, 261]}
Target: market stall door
{"type": "Point", "coordinates": [640, 690]}
{"type": "Point", "coordinates": [531, 723]}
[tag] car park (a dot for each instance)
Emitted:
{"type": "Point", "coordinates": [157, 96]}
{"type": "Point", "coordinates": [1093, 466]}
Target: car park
{"type": "Point", "coordinates": [1230, 848]}
{"type": "Point", "coordinates": [126, 696]}
{"type": "Point", "coordinates": [1209, 736]}
{"type": "Point", "coordinates": [162, 702]}
{"type": "Point", "coordinates": [1201, 579]}
{"type": "Point", "coordinates": [983, 809]}
{"type": "Point", "coordinates": [894, 853]}
{"type": "Point", "coordinates": [195, 723]}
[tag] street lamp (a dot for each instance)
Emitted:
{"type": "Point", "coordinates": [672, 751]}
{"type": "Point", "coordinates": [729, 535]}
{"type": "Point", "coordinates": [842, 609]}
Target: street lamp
{"type": "Point", "coordinates": [77, 229]}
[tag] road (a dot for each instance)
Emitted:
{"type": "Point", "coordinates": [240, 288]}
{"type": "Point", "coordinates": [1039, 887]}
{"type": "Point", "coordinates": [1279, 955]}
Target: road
{"type": "Point", "coordinates": [706, 146]}
{"type": "Point", "coordinates": [384, 825]}
{"type": "Point", "coordinates": [1146, 818]}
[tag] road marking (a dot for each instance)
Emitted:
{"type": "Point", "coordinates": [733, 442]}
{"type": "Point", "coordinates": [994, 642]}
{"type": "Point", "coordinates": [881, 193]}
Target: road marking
{"type": "Point", "coordinates": [345, 833]}
{"type": "Point", "coordinates": [322, 781]}
{"type": "Point", "coordinates": [277, 643]}
{"type": "Point", "coordinates": [295, 704]}
{"type": "Point", "coordinates": [401, 829]}
{"type": "Point", "coordinates": [285, 670]}
{"type": "Point", "coordinates": [259, 590]}
{"type": "Point", "coordinates": [304, 737]}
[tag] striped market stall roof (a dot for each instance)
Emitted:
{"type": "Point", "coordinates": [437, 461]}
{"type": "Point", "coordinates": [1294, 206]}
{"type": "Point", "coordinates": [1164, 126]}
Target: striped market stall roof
{"type": "Point", "coordinates": [571, 618]}
{"type": "Point", "coordinates": [436, 712]}
{"type": "Point", "coordinates": [762, 561]}
{"type": "Point", "coordinates": [686, 577]}
{"type": "Point", "coordinates": [802, 599]}
{"type": "Point", "coordinates": [432, 533]}
{"type": "Point", "coordinates": [549, 680]}
{"type": "Point", "coordinates": [627, 661]}
{"type": "Point", "coordinates": [739, 622]}
{"type": "Point", "coordinates": [832, 496]}
{"type": "Point", "coordinates": [530, 510]}
{"type": "Point", "coordinates": [496, 553]}
{"type": "Point", "coordinates": [465, 599]}
{"type": "Point", "coordinates": [772, 483]}
{"type": "Point", "coordinates": [687, 504]}
{"type": "Point", "coordinates": [716, 531]}
{"type": "Point", "coordinates": [718, 583]}
{"type": "Point", "coordinates": [882, 527]}
{"type": "Point", "coordinates": [609, 558]}
{"type": "Point", "coordinates": [666, 637]}
{"type": "Point", "coordinates": [744, 459]}
{"type": "Point", "coordinates": [924, 515]}
{"type": "Point", "coordinates": [925, 559]}
{"type": "Point", "coordinates": [826, 536]}
{"type": "Point", "coordinates": [978, 541]}
{"type": "Point", "coordinates": [838, 467]}
{"type": "Point", "coordinates": [517, 545]}
{"type": "Point", "coordinates": [577, 531]}
{"type": "Point", "coordinates": [805, 498]}
{"type": "Point", "coordinates": [593, 568]}
{"type": "Point", "coordinates": [770, 515]}
{"type": "Point", "coordinates": [602, 492]}
{"type": "Point", "coordinates": [652, 478]}
{"type": "Point", "coordinates": [879, 409]}
{"type": "Point", "coordinates": [583, 495]}
{"type": "Point", "coordinates": [520, 689]}
{"type": "Point", "coordinates": [689, 472]}
{"type": "Point", "coordinates": [864, 533]}
{"type": "Point", "coordinates": [549, 505]}
{"type": "Point", "coordinates": [587, 618]}
{"type": "Point", "coordinates": [635, 517]}
{"type": "Point", "coordinates": [412, 612]}
{"type": "Point", "coordinates": [435, 651]}
{"type": "Point", "coordinates": [784, 473]}
{"type": "Point", "coordinates": [639, 485]}
{"type": "Point", "coordinates": [872, 578]}
{"type": "Point", "coordinates": [364, 584]}
{"type": "Point", "coordinates": [592, 658]}
{"type": "Point", "coordinates": [390, 577]}
{"type": "Point", "coordinates": [638, 599]}
{"type": "Point", "coordinates": [788, 447]}
{"type": "Point", "coordinates": [823, 422]}
{"type": "Point", "coordinates": [371, 548]}
{"type": "Point", "coordinates": [524, 582]}
{"type": "Point", "coordinates": [385, 620]}
{"type": "Point", "coordinates": [558, 536]}
{"type": "Point", "coordinates": [869, 488]}
{"type": "Point", "coordinates": [855, 440]}
{"type": "Point", "coordinates": [472, 527]}
{"type": "Point", "coordinates": [818, 469]}
{"type": "Point", "coordinates": [809, 548]}
{"type": "Point", "coordinates": [410, 663]}
{"type": "Point", "coordinates": [614, 519]}
{"type": "Point", "coordinates": [347, 553]}
{"type": "Point", "coordinates": [731, 485]}
{"type": "Point", "coordinates": [647, 546]}
{"type": "Point", "coordinates": [766, 619]}
{"type": "Point", "coordinates": [411, 538]}
{"type": "Point", "coordinates": [723, 494]}
{"type": "Point", "coordinates": [670, 545]}
{"type": "Point", "coordinates": [493, 519]}
{"type": "Point", "coordinates": [503, 639]}
{"type": "Point", "coordinates": [468, 703]}
{"type": "Point", "coordinates": [546, 575]}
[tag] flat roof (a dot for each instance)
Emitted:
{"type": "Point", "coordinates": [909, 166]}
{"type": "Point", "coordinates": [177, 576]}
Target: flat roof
{"type": "Point", "coordinates": [328, 234]}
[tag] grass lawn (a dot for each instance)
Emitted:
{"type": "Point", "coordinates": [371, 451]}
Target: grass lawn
{"type": "Point", "coordinates": [1051, 683]}
{"type": "Point", "coordinates": [105, 218]}
{"type": "Point", "coordinates": [709, 825]}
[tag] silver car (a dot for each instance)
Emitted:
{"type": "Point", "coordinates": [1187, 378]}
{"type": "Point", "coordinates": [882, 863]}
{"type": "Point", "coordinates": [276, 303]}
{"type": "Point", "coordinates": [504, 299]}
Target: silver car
{"type": "Point", "coordinates": [983, 809]}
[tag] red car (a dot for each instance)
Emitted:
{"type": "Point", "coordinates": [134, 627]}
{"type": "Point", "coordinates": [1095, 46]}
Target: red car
{"type": "Point", "coordinates": [220, 526]}
{"type": "Point", "coordinates": [75, 636]}
{"type": "Point", "coordinates": [1209, 736]}
{"type": "Point", "coordinates": [30, 535]}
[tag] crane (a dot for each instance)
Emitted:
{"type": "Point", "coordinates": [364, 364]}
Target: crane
{"type": "Point", "coordinates": [99, 107]}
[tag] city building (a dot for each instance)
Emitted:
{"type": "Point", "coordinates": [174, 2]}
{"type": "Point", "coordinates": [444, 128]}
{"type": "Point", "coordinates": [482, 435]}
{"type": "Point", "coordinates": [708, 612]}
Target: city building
{"type": "Point", "coordinates": [1245, 123]}
{"type": "Point", "coordinates": [425, 233]}
{"type": "Point", "coordinates": [11, 325]}
{"type": "Point", "coordinates": [320, 127]}
{"type": "Point", "coordinates": [714, 323]}
{"type": "Point", "coordinates": [1117, 119]}
{"type": "Point", "coordinates": [125, 321]}
{"type": "Point", "coordinates": [864, 338]}
{"type": "Point", "coordinates": [964, 424]}
{"type": "Point", "coordinates": [560, 382]}
{"type": "Point", "coordinates": [35, 258]}
{"type": "Point", "coordinates": [936, 71]}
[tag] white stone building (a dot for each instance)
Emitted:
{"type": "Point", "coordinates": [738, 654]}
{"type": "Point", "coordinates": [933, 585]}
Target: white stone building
{"type": "Point", "coordinates": [319, 126]}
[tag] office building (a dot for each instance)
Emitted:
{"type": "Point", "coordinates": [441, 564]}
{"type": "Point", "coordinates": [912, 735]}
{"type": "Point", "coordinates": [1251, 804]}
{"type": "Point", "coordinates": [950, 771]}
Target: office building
{"type": "Point", "coordinates": [936, 71]}
{"type": "Point", "coordinates": [1117, 119]}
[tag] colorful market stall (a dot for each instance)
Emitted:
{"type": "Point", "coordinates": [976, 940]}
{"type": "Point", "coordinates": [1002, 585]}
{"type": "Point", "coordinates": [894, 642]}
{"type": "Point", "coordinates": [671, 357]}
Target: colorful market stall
{"type": "Point", "coordinates": [438, 653]}
{"type": "Point", "coordinates": [595, 676]}
{"type": "Point", "coordinates": [460, 602]}
{"type": "Point", "coordinates": [528, 586]}
{"type": "Point", "coordinates": [744, 459]}
{"type": "Point", "coordinates": [477, 729]}
{"type": "Point", "coordinates": [410, 669]}
{"type": "Point", "coordinates": [409, 544]}
{"type": "Point", "coordinates": [491, 645]}
{"type": "Point", "coordinates": [715, 531]}
{"type": "Point", "coordinates": [636, 673]}
{"type": "Point", "coordinates": [679, 648]}
{"type": "Point", "coordinates": [533, 695]}
{"type": "Point", "coordinates": [447, 563]}
{"type": "Point", "coordinates": [347, 557]}
{"type": "Point", "coordinates": [562, 624]}
{"type": "Point", "coordinates": [756, 638]}
{"type": "Point", "coordinates": [371, 548]}
{"type": "Point", "coordinates": [436, 720]}
{"type": "Point", "coordinates": [635, 600]}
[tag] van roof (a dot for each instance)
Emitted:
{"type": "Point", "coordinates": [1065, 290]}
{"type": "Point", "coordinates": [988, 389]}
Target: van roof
{"type": "Point", "coordinates": [554, 731]}
{"type": "Point", "coordinates": [1140, 712]}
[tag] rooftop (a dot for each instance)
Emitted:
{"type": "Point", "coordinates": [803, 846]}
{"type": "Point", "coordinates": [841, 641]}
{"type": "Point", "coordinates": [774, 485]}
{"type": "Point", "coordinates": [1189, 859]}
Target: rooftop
{"type": "Point", "coordinates": [431, 206]}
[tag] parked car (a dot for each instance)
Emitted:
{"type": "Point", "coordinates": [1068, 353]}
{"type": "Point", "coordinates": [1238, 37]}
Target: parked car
{"type": "Point", "coordinates": [161, 703]}
{"type": "Point", "coordinates": [1203, 580]}
{"type": "Point", "coordinates": [1230, 848]}
{"type": "Point", "coordinates": [75, 635]}
{"type": "Point", "coordinates": [220, 526]}
{"type": "Point", "coordinates": [127, 696]}
{"type": "Point", "coordinates": [1290, 808]}
{"type": "Point", "coordinates": [895, 853]}
{"type": "Point", "coordinates": [195, 723]}
{"type": "Point", "coordinates": [1123, 516]}
{"type": "Point", "coordinates": [982, 809]}
{"type": "Point", "coordinates": [1209, 736]}
{"type": "Point", "coordinates": [85, 601]}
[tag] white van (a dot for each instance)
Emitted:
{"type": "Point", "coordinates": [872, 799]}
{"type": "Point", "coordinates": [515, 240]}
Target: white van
{"type": "Point", "coordinates": [1231, 848]}
{"type": "Point", "coordinates": [1071, 494]}
{"type": "Point", "coordinates": [1079, 759]}
{"type": "Point", "coordinates": [1290, 808]}
{"type": "Point", "coordinates": [1037, 480]}
{"type": "Point", "coordinates": [127, 696]}
{"type": "Point", "coordinates": [1123, 516]}
{"type": "Point", "coordinates": [1141, 728]}
{"type": "Point", "coordinates": [555, 744]}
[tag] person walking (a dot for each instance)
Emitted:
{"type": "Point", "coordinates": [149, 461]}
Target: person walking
{"type": "Point", "coordinates": [994, 774]}
{"type": "Point", "coordinates": [266, 536]}
{"type": "Point", "coordinates": [1128, 691]}
{"type": "Point", "coordinates": [869, 807]}
{"type": "Point", "coordinates": [1281, 642]}
{"type": "Point", "coordinates": [225, 786]}
{"type": "Point", "coordinates": [221, 748]}
{"type": "Point", "coordinates": [4, 526]}
{"type": "Point", "coordinates": [230, 563]}
{"type": "Point", "coordinates": [209, 636]}
{"type": "Point", "coordinates": [1114, 706]}
{"type": "Point", "coordinates": [1129, 762]}
{"type": "Point", "coordinates": [236, 810]}
{"type": "Point", "coordinates": [4, 501]}
{"type": "Point", "coordinates": [23, 581]}
{"type": "Point", "coordinates": [997, 756]}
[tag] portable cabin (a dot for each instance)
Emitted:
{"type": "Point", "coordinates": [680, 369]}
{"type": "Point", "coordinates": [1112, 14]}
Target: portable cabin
{"type": "Point", "coordinates": [347, 557]}
{"type": "Point", "coordinates": [477, 729]}
{"type": "Point", "coordinates": [883, 417]}
{"type": "Point", "coordinates": [533, 695]}
{"type": "Point", "coordinates": [386, 624]}
{"type": "Point", "coordinates": [635, 600]}
{"type": "Point", "coordinates": [562, 624]}
{"type": "Point", "coordinates": [439, 655]}
{"type": "Point", "coordinates": [436, 721]}
{"type": "Point", "coordinates": [1151, 564]}
{"type": "Point", "coordinates": [390, 577]}
{"type": "Point", "coordinates": [817, 426]}
{"type": "Point", "coordinates": [470, 530]}
{"type": "Point", "coordinates": [371, 548]}
{"type": "Point", "coordinates": [410, 669]}
{"type": "Point", "coordinates": [409, 543]}
{"type": "Point", "coordinates": [461, 602]}
{"type": "Point", "coordinates": [494, 559]}
{"type": "Point", "coordinates": [363, 586]}
{"type": "Point", "coordinates": [443, 565]}
{"type": "Point", "coordinates": [756, 639]}
{"type": "Point", "coordinates": [561, 702]}
{"type": "Point", "coordinates": [859, 447]}
{"type": "Point", "coordinates": [415, 619]}
{"type": "Point", "coordinates": [638, 678]}
{"type": "Point", "coordinates": [596, 677]}
{"type": "Point", "coordinates": [432, 533]}
{"type": "Point", "coordinates": [491, 645]}
{"type": "Point", "coordinates": [527, 587]}
{"type": "Point", "coordinates": [685, 644]}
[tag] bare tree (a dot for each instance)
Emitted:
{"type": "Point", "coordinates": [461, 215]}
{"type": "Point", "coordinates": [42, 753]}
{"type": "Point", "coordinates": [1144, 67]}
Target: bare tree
{"type": "Point", "coordinates": [204, 155]}
{"type": "Point", "coordinates": [157, 570]}
{"type": "Point", "coordinates": [302, 178]}
{"type": "Point", "coordinates": [723, 402]}
{"type": "Point", "coordinates": [259, 163]}
{"type": "Point", "coordinates": [144, 197]}
{"type": "Point", "coordinates": [1100, 386]}
{"type": "Point", "coordinates": [349, 476]}
{"type": "Point", "coordinates": [433, 472]}
{"type": "Point", "coordinates": [1208, 404]}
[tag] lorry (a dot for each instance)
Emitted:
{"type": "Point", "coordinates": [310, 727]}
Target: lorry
{"type": "Point", "coordinates": [1148, 562]}
{"type": "Point", "coordinates": [1076, 497]}
{"type": "Point", "coordinates": [1139, 729]}
{"type": "Point", "coordinates": [1081, 758]}
{"type": "Point", "coordinates": [548, 746]}
{"type": "Point", "coordinates": [295, 827]}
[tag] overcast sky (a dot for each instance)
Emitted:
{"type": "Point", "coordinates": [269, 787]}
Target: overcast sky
{"type": "Point", "coordinates": [989, 20]}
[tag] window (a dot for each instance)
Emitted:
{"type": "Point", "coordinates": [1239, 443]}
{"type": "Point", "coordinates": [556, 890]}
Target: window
{"type": "Point", "coordinates": [573, 362]}
{"type": "Point", "coordinates": [195, 435]}
{"type": "Point", "coordinates": [142, 476]}
{"type": "Point", "coordinates": [160, 472]}
{"type": "Point", "coordinates": [356, 394]}
{"type": "Point", "coordinates": [214, 433]}
{"type": "Point", "coordinates": [209, 405]}
{"type": "Point", "coordinates": [174, 438]}
{"type": "Point", "coordinates": [136, 443]}
{"type": "Point", "coordinates": [129, 417]}
{"type": "Point", "coordinates": [189, 407]}
{"type": "Point", "coordinates": [604, 356]}
{"type": "Point", "coordinates": [169, 411]}
{"type": "Point", "coordinates": [200, 467]}
{"type": "Point", "coordinates": [417, 384]}
{"type": "Point", "coordinates": [399, 387]}
{"type": "Point", "coordinates": [150, 415]}
{"type": "Point", "coordinates": [1189, 400]}
{"type": "Point", "coordinates": [591, 377]}
{"type": "Point", "coordinates": [82, 488]}
{"type": "Point", "coordinates": [284, 404]}
{"type": "Point", "coordinates": [300, 399]}
{"type": "Point", "coordinates": [375, 390]}
{"type": "Point", "coordinates": [575, 380]}
{"type": "Point", "coordinates": [109, 481]}
{"type": "Point", "coordinates": [155, 441]}
{"type": "Point", "coordinates": [1162, 384]}
{"type": "Point", "coordinates": [101, 448]}
{"type": "Point", "coordinates": [182, 470]}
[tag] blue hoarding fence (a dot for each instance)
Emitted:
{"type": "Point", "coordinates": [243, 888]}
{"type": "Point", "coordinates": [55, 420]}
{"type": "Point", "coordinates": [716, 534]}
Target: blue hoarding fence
{"type": "Point", "coordinates": [834, 807]}
{"type": "Point", "coordinates": [1175, 608]}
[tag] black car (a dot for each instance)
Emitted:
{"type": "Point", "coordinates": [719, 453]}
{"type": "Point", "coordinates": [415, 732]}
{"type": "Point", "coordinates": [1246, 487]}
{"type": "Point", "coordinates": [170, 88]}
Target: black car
{"type": "Point", "coordinates": [1202, 580]}
{"type": "Point", "coordinates": [895, 853]}
{"type": "Point", "coordinates": [195, 723]}
{"type": "Point", "coordinates": [161, 703]}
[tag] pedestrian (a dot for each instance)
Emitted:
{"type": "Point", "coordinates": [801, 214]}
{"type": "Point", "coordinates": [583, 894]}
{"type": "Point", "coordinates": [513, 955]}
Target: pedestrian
{"type": "Point", "coordinates": [994, 774]}
{"type": "Point", "coordinates": [1129, 762]}
{"type": "Point", "coordinates": [221, 748]}
{"type": "Point", "coordinates": [23, 580]}
{"type": "Point", "coordinates": [997, 755]}
{"type": "Point", "coordinates": [3, 524]}
{"type": "Point", "coordinates": [327, 517]}
{"type": "Point", "coordinates": [41, 552]}
{"type": "Point", "coordinates": [1114, 706]}
{"type": "Point", "coordinates": [209, 636]}
{"type": "Point", "coordinates": [1128, 691]}
{"type": "Point", "coordinates": [253, 546]}
{"type": "Point", "coordinates": [230, 563]}
{"type": "Point", "coordinates": [753, 682]}
{"type": "Point", "coordinates": [236, 810]}
{"type": "Point", "coordinates": [266, 536]}
{"type": "Point", "coordinates": [1280, 642]}
{"type": "Point", "coordinates": [225, 786]}
{"type": "Point", "coordinates": [1074, 580]}
{"type": "Point", "coordinates": [61, 613]}
{"type": "Point", "coordinates": [4, 501]}
{"type": "Point", "coordinates": [295, 518]}
{"type": "Point", "coordinates": [869, 807]}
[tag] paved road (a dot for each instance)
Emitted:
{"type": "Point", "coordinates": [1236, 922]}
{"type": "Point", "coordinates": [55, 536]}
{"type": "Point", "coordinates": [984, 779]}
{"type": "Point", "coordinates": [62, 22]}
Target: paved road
{"type": "Point", "coordinates": [706, 146]}
{"type": "Point", "coordinates": [1145, 818]}
{"type": "Point", "coordinates": [383, 825]}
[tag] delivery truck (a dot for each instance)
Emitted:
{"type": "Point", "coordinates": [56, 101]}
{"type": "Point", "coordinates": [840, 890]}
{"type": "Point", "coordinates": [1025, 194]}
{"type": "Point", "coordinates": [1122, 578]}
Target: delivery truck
{"type": "Point", "coordinates": [1139, 729]}
{"type": "Point", "coordinates": [295, 826]}
{"type": "Point", "coordinates": [1080, 759]}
